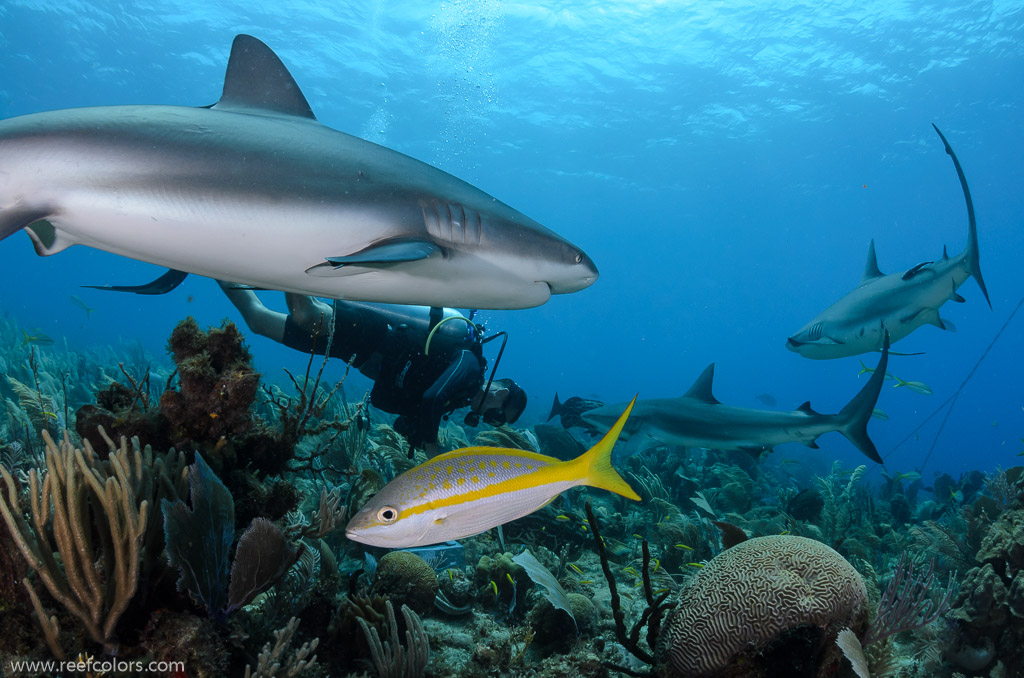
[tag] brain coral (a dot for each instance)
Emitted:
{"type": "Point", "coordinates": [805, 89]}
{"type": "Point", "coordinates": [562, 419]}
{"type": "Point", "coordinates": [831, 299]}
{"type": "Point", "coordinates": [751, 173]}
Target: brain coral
{"type": "Point", "coordinates": [749, 596]}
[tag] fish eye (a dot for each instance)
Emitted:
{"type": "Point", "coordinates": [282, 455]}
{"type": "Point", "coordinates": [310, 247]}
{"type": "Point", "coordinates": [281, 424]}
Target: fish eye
{"type": "Point", "coordinates": [387, 515]}
{"type": "Point", "coordinates": [579, 257]}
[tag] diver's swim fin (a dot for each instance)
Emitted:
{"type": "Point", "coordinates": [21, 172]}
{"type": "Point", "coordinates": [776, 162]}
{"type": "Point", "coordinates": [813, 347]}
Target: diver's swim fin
{"type": "Point", "coordinates": [162, 285]}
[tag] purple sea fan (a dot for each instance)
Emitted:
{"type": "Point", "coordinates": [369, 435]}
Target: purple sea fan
{"type": "Point", "coordinates": [907, 603]}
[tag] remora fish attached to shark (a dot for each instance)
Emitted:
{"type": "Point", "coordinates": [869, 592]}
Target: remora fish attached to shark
{"type": "Point", "coordinates": [698, 419]}
{"type": "Point", "coordinates": [898, 303]}
{"type": "Point", "coordinates": [254, 190]}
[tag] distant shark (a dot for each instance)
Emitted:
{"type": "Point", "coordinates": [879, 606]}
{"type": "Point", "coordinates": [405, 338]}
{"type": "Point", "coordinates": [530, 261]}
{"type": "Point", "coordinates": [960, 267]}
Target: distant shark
{"type": "Point", "coordinates": [897, 303]}
{"type": "Point", "coordinates": [698, 419]}
{"type": "Point", "coordinates": [254, 190]}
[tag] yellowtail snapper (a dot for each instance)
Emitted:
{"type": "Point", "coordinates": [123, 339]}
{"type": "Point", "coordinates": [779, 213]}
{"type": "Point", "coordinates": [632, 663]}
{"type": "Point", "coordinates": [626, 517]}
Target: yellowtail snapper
{"type": "Point", "coordinates": [468, 491]}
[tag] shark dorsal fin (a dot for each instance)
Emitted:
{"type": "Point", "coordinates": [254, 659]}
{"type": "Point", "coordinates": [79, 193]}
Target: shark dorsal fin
{"type": "Point", "coordinates": [945, 253]}
{"type": "Point", "coordinates": [701, 389]}
{"type": "Point", "coordinates": [871, 267]}
{"type": "Point", "coordinates": [256, 81]}
{"type": "Point", "coordinates": [806, 408]}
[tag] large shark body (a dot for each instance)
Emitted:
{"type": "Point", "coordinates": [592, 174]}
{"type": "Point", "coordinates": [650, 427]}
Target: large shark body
{"type": "Point", "coordinates": [254, 190]}
{"type": "Point", "coordinates": [698, 419]}
{"type": "Point", "coordinates": [897, 303]}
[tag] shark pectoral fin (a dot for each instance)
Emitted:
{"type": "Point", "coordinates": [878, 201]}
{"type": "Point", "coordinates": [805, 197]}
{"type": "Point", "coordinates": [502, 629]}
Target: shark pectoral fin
{"type": "Point", "coordinates": [392, 252]}
{"type": "Point", "coordinates": [947, 324]}
{"type": "Point", "coordinates": [957, 298]}
{"type": "Point", "coordinates": [13, 219]}
{"type": "Point", "coordinates": [812, 444]}
{"type": "Point", "coordinates": [162, 285]}
{"type": "Point", "coordinates": [47, 239]}
{"type": "Point", "coordinates": [929, 316]}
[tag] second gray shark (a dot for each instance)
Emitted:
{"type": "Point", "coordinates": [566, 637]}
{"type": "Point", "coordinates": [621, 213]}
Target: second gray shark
{"type": "Point", "coordinates": [254, 190]}
{"type": "Point", "coordinates": [897, 303]}
{"type": "Point", "coordinates": [698, 419]}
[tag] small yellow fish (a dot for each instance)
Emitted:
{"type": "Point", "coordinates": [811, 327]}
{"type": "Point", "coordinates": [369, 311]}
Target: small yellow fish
{"type": "Point", "coordinates": [790, 461]}
{"type": "Point", "coordinates": [683, 547]}
{"type": "Point", "coordinates": [37, 338]}
{"type": "Point", "coordinates": [465, 492]}
{"type": "Point", "coordinates": [586, 581]}
{"type": "Point", "coordinates": [81, 304]}
{"type": "Point", "coordinates": [695, 564]}
{"type": "Point", "coordinates": [562, 517]}
{"type": "Point", "coordinates": [575, 568]}
{"type": "Point", "coordinates": [909, 475]}
{"type": "Point", "coordinates": [510, 579]}
{"type": "Point", "coordinates": [916, 386]}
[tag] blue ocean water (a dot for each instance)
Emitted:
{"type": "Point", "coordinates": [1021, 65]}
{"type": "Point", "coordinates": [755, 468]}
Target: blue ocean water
{"type": "Point", "coordinates": [725, 165]}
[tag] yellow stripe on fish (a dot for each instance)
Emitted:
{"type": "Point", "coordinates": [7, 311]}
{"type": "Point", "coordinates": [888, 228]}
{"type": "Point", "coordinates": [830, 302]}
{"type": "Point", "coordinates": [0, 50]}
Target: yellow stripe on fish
{"type": "Point", "coordinates": [468, 491]}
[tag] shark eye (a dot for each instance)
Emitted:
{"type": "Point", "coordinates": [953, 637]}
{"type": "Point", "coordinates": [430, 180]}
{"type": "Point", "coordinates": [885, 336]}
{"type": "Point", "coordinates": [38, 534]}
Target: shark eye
{"type": "Point", "coordinates": [387, 515]}
{"type": "Point", "coordinates": [579, 257]}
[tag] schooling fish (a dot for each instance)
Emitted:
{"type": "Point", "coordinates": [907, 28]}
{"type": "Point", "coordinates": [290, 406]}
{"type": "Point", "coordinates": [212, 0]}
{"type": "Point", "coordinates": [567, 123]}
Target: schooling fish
{"type": "Point", "coordinates": [468, 491]}
{"type": "Point", "coordinates": [570, 411]}
{"type": "Point", "coordinates": [915, 386]}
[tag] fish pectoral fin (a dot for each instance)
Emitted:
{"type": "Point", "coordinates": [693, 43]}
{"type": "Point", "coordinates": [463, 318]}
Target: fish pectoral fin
{"type": "Point", "coordinates": [13, 219]}
{"type": "Point", "coordinates": [391, 252]}
{"type": "Point", "coordinates": [162, 285]}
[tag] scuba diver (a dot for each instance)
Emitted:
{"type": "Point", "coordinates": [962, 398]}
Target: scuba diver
{"type": "Point", "coordinates": [424, 362]}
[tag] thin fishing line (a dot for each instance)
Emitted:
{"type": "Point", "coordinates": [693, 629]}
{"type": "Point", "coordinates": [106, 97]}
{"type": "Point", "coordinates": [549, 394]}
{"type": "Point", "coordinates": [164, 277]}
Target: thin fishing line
{"type": "Point", "coordinates": [951, 400]}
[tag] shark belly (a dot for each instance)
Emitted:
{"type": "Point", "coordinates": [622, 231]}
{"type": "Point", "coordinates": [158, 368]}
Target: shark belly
{"type": "Point", "coordinates": [261, 201]}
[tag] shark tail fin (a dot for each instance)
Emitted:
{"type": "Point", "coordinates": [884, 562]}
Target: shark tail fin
{"type": "Point", "coordinates": [556, 408]}
{"type": "Point", "coordinates": [595, 465]}
{"type": "Point", "coordinates": [971, 251]}
{"type": "Point", "coordinates": [855, 416]}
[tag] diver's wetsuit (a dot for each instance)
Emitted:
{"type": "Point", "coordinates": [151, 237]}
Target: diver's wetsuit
{"type": "Point", "coordinates": [386, 343]}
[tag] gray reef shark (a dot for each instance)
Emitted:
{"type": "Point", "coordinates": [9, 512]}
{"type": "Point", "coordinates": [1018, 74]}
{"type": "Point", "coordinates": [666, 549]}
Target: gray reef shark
{"type": "Point", "coordinates": [698, 419]}
{"type": "Point", "coordinates": [897, 303]}
{"type": "Point", "coordinates": [254, 190]}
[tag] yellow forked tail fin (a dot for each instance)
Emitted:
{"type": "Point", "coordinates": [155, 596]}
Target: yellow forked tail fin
{"type": "Point", "coordinates": [597, 469]}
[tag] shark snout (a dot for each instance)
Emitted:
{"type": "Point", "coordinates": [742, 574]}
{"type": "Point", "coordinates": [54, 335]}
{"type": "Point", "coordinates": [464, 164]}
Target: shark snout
{"type": "Point", "coordinates": [579, 275]}
{"type": "Point", "coordinates": [794, 345]}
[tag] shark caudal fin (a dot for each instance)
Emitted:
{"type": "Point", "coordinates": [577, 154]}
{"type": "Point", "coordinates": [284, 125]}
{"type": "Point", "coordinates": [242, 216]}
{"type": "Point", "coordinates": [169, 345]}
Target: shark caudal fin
{"type": "Point", "coordinates": [556, 408]}
{"type": "Point", "coordinates": [595, 465]}
{"type": "Point", "coordinates": [971, 251]}
{"type": "Point", "coordinates": [855, 416]}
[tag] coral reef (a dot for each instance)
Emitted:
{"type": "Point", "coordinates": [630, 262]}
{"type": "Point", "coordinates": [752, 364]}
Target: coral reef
{"type": "Point", "coordinates": [768, 602]}
{"type": "Point", "coordinates": [406, 579]}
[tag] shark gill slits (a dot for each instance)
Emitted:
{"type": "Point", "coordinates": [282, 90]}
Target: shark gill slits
{"type": "Point", "coordinates": [815, 332]}
{"type": "Point", "coordinates": [452, 222]}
